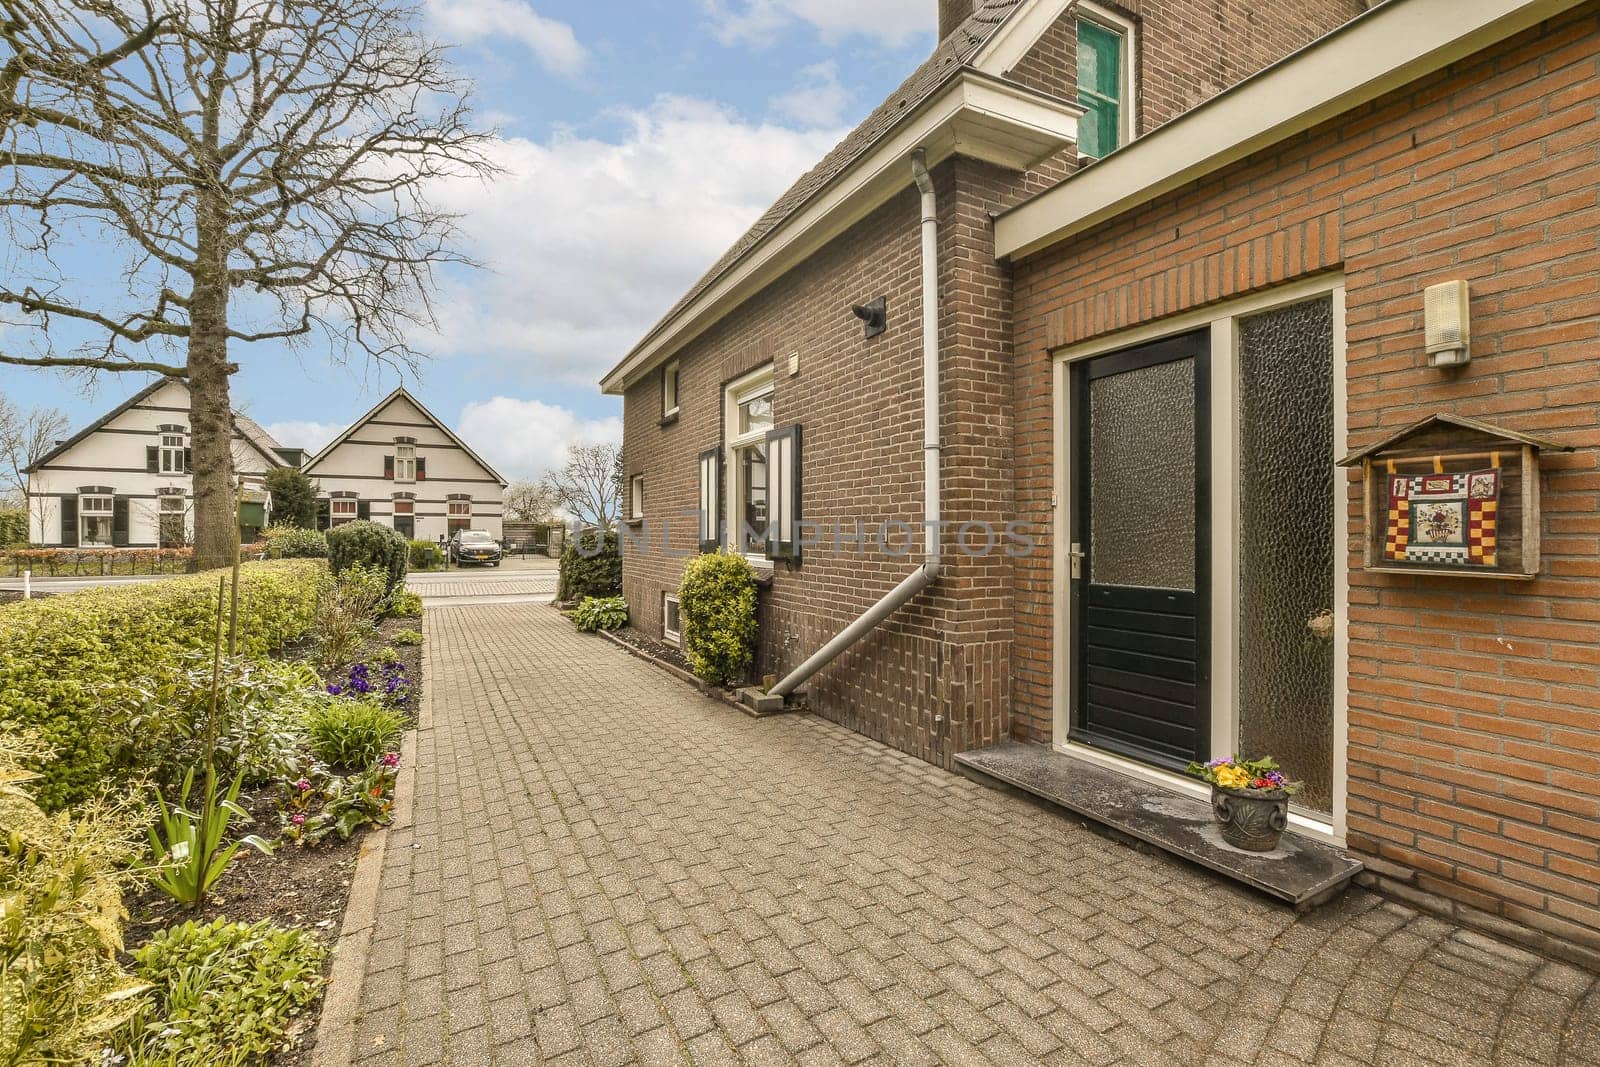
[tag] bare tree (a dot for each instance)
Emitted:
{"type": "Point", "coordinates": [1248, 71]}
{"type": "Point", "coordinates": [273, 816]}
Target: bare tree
{"type": "Point", "coordinates": [261, 166]}
{"type": "Point", "coordinates": [530, 502]}
{"type": "Point", "coordinates": [25, 436]}
{"type": "Point", "coordinates": [586, 485]}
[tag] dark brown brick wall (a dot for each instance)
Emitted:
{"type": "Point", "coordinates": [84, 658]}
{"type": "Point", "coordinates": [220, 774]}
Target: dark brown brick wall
{"type": "Point", "coordinates": [1474, 704]}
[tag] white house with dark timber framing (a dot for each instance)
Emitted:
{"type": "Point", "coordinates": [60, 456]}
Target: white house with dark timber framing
{"type": "Point", "coordinates": [123, 481]}
{"type": "Point", "coordinates": [402, 467]}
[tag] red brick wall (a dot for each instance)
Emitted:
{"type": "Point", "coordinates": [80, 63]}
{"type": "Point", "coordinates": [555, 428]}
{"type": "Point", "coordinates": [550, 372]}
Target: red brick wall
{"type": "Point", "coordinates": [1475, 705]}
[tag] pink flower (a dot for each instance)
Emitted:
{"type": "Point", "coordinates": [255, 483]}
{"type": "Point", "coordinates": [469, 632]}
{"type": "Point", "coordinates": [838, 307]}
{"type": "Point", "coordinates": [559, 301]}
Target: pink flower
{"type": "Point", "coordinates": [298, 819]}
{"type": "Point", "coordinates": [303, 784]}
{"type": "Point", "coordinates": [391, 759]}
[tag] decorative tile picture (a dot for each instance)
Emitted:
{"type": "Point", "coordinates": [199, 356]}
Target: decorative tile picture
{"type": "Point", "coordinates": [1443, 518]}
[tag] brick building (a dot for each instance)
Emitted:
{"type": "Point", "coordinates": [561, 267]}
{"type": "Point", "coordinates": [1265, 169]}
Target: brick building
{"type": "Point", "coordinates": [1180, 251]}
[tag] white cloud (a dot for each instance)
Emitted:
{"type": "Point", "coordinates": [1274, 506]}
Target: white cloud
{"type": "Point", "coordinates": [526, 438]}
{"type": "Point", "coordinates": [304, 434]}
{"type": "Point", "coordinates": [819, 100]}
{"type": "Point", "coordinates": [762, 22]}
{"type": "Point", "coordinates": [589, 241]}
{"type": "Point", "coordinates": [553, 43]}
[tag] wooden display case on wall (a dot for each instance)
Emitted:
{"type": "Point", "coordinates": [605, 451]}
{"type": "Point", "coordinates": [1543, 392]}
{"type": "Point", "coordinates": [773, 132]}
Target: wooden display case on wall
{"type": "Point", "coordinates": [1454, 444]}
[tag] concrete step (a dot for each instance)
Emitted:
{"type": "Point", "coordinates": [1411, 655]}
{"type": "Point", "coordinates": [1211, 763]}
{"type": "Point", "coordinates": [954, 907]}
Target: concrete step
{"type": "Point", "coordinates": [1301, 871]}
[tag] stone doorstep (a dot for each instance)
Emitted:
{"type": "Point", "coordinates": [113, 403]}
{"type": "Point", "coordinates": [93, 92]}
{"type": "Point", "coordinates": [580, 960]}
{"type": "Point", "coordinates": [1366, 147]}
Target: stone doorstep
{"type": "Point", "coordinates": [1301, 871]}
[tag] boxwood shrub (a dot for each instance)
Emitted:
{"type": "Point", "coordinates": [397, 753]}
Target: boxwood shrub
{"type": "Point", "coordinates": [370, 545]}
{"type": "Point", "coordinates": [293, 542]}
{"type": "Point", "coordinates": [60, 657]}
{"type": "Point", "coordinates": [717, 599]}
{"type": "Point", "coordinates": [591, 566]}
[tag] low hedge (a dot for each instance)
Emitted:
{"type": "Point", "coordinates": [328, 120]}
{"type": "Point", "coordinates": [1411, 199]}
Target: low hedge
{"type": "Point", "coordinates": [370, 545]}
{"type": "Point", "coordinates": [591, 566]}
{"type": "Point", "coordinates": [425, 555]}
{"type": "Point", "coordinates": [61, 657]}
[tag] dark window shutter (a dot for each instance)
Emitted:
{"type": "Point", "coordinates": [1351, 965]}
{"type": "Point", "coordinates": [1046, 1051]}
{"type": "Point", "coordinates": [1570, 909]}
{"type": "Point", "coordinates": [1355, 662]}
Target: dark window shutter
{"type": "Point", "coordinates": [710, 499]}
{"type": "Point", "coordinates": [363, 509]}
{"type": "Point", "coordinates": [119, 522]}
{"type": "Point", "coordinates": [69, 521]}
{"type": "Point", "coordinates": [152, 459]}
{"type": "Point", "coordinates": [783, 493]}
{"type": "Point", "coordinates": [388, 467]}
{"type": "Point", "coordinates": [422, 469]}
{"type": "Point", "coordinates": [188, 460]}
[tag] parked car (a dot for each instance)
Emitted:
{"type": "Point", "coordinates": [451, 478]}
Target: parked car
{"type": "Point", "coordinates": [474, 546]}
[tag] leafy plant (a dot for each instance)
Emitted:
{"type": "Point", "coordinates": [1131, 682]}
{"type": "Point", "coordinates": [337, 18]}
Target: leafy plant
{"type": "Point", "coordinates": [1258, 775]}
{"type": "Point", "coordinates": [321, 805]}
{"type": "Point", "coordinates": [294, 497]}
{"type": "Point", "coordinates": [601, 613]}
{"type": "Point", "coordinates": [191, 848]}
{"type": "Point", "coordinates": [222, 991]}
{"type": "Point", "coordinates": [407, 638]}
{"type": "Point", "coordinates": [352, 732]}
{"type": "Point", "coordinates": [717, 600]}
{"type": "Point", "coordinates": [591, 565]}
{"type": "Point", "coordinates": [425, 555]}
{"type": "Point", "coordinates": [61, 883]}
{"type": "Point", "coordinates": [293, 542]}
{"type": "Point", "coordinates": [368, 544]}
{"type": "Point", "coordinates": [386, 656]}
{"type": "Point", "coordinates": [61, 656]}
{"type": "Point", "coordinates": [405, 604]}
{"type": "Point", "coordinates": [13, 527]}
{"type": "Point", "coordinates": [347, 612]}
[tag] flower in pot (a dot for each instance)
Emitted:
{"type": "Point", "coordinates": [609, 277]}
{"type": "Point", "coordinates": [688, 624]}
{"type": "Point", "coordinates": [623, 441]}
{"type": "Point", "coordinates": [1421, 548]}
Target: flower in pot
{"type": "Point", "coordinates": [1250, 799]}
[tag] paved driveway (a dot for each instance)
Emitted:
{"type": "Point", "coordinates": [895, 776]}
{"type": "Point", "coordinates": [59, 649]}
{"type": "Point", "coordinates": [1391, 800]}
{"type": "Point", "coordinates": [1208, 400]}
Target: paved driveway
{"type": "Point", "coordinates": [604, 867]}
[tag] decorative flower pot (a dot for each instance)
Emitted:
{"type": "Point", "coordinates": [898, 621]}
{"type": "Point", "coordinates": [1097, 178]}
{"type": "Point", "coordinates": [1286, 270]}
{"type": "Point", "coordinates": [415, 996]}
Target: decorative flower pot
{"type": "Point", "coordinates": [1251, 819]}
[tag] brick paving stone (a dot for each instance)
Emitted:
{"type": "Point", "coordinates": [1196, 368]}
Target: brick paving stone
{"type": "Point", "coordinates": [605, 866]}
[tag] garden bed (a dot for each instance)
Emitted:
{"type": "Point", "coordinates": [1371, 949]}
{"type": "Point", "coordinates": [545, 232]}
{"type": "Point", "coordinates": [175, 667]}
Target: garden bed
{"type": "Point", "coordinates": [671, 659]}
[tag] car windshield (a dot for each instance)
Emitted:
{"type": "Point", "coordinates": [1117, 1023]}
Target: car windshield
{"type": "Point", "coordinates": [475, 537]}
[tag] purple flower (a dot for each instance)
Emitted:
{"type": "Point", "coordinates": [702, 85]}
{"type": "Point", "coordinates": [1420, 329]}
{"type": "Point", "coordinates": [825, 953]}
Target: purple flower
{"type": "Point", "coordinates": [298, 819]}
{"type": "Point", "coordinates": [334, 689]}
{"type": "Point", "coordinates": [391, 759]}
{"type": "Point", "coordinates": [1219, 762]}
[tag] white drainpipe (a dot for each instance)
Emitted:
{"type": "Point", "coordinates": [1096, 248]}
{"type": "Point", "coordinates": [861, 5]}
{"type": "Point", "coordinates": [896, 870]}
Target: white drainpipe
{"type": "Point", "coordinates": [923, 576]}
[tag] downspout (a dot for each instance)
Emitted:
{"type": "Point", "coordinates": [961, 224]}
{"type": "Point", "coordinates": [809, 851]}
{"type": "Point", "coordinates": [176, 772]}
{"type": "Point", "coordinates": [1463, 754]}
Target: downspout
{"type": "Point", "coordinates": [923, 576]}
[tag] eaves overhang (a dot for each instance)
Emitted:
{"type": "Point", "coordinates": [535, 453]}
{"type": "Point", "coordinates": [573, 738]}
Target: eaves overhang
{"type": "Point", "coordinates": [1390, 46]}
{"type": "Point", "coordinates": [973, 114]}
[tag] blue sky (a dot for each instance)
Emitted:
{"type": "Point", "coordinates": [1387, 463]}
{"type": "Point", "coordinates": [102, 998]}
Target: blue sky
{"type": "Point", "coordinates": [639, 139]}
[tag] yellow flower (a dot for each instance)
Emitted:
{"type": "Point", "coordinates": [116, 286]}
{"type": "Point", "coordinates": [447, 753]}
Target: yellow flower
{"type": "Point", "coordinates": [1231, 777]}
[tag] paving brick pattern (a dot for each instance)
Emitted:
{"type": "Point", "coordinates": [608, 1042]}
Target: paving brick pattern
{"type": "Point", "coordinates": [482, 584]}
{"type": "Point", "coordinates": [604, 867]}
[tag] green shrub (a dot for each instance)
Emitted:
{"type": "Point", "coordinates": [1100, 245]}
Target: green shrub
{"type": "Point", "coordinates": [405, 638]}
{"type": "Point", "coordinates": [425, 555]}
{"type": "Point", "coordinates": [717, 599]}
{"type": "Point", "coordinates": [224, 992]}
{"type": "Point", "coordinates": [61, 656]}
{"type": "Point", "coordinates": [294, 542]}
{"type": "Point", "coordinates": [351, 731]}
{"type": "Point", "coordinates": [405, 604]}
{"type": "Point", "coordinates": [601, 613]}
{"type": "Point", "coordinates": [13, 527]}
{"type": "Point", "coordinates": [294, 497]}
{"type": "Point", "coordinates": [370, 545]}
{"type": "Point", "coordinates": [591, 565]}
{"type": "Point", "coordinates": [348, 607]}
{"type": "Point", "coordinates": [61, 883]}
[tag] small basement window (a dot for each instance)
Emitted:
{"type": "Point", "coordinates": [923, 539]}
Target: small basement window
{"type": "Point", "coordinates": [671, 618]}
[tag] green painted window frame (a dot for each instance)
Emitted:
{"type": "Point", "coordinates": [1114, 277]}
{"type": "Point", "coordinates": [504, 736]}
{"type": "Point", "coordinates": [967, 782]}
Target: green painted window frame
{"type": "Point", "coordinates": [1105, 114]}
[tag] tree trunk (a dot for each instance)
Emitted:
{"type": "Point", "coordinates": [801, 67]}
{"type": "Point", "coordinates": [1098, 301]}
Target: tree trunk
{"type": "Point", "coordinates": [210, 414]}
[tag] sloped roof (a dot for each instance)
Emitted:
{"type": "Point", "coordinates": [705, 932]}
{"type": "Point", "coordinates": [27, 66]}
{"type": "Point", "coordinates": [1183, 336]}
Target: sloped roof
{"type": "Point", "coordinates": [430, 416]}
{"type": "Point", "coordinates": [948, 58]}
{"type": "Point", "coordinates": [256, 435]}
{"type": "Point", "coordinates": [1465, 422]}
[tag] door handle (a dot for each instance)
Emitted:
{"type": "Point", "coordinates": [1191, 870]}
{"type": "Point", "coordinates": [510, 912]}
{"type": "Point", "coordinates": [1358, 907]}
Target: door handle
{"type": "Point", "coordinates": [1075, 560]}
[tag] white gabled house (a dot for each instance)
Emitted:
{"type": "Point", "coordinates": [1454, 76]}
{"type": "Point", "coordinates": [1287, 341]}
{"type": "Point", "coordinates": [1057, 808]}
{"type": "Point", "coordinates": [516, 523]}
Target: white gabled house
{"type": "Point", "coordinates": [402, 467]}
{"type": "Point", "coordinates": [123, 481]}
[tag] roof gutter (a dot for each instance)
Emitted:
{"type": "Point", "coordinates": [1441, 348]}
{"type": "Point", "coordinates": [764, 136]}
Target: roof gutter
{"type": "Point", "coordinates": [923, 576]}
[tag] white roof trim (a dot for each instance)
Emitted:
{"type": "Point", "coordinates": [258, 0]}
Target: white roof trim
{"type": "Point", "coordinates": [438, 424]}
{"type": "Point", "coordinates": [1018, 34]}
{"type": "Point", "coordinates": [974, 115]}
{"type": "Point", "coordinates": [1388, 47]}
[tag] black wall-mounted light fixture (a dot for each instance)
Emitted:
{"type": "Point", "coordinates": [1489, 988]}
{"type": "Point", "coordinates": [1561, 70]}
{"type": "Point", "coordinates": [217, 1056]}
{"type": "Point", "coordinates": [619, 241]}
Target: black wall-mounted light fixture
{"type": "Point", "coordinates": [875, 316]}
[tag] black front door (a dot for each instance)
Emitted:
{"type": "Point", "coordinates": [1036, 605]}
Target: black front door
{"type": "Point", "coordinates": [405, 526]}
{"type": "Point", "coordinates": [1140, 555]}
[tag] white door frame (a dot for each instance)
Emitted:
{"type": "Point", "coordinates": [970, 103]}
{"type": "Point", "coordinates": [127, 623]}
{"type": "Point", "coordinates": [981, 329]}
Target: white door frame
{"type": "Point", "coordinates": [1223, 322]}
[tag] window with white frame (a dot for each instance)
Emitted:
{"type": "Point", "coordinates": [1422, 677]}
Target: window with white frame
{"type": "Point", "coordinates": [669, 389]}
{"type": "Point", "coordinates": [749, 418]}
{"type": "Point", "coordinates": [405, 462]}
{"type": "Point", "coordinates": [1106, 89]}
{"type": "Point", "coordinates": [458, 515]}
{"type": "Point", "coordinates": [671, 618]}
{"type": "Point", "coordinates": [342, 509]}
{"type": "Point", "coordinates": [172, 453]}
{"type": "Point", "coordinates": [636, 497]}
{"type": "Point", "coordinates": [94, 520]}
